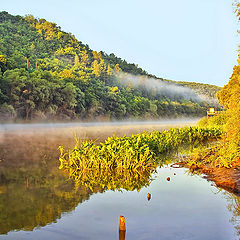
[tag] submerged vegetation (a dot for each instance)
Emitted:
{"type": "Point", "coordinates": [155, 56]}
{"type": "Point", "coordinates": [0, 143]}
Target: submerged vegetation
{"type": "Point", "coordinates": [135, 153]}
{"type": "Point", "coordinates": [46, 73]}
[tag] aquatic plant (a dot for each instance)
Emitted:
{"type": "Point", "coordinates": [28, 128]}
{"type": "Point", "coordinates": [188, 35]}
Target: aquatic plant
{"type": "Point", "coordinates": [135, 153]}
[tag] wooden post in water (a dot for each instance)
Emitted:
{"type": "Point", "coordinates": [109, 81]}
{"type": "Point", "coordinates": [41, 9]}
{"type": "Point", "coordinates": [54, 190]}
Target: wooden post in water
{"type": "Point", "coordinates": [122, 228]}
{"type": "Point", "coordinates": [149, 196]}
{"type": "Point", "coordinates": [122, 235]}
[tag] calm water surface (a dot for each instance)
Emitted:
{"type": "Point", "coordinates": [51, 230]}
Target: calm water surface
{"type": "Point", "coordinates": [37, 201]}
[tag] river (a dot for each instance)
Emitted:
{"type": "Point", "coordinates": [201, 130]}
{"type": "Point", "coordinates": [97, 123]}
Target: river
{"type": "Point", "coordinates": [38, 201]}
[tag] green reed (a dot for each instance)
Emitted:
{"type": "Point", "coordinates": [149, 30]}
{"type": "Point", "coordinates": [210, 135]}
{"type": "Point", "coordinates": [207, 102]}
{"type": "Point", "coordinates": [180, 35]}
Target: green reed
{"type": "Point", "coordinates": [134, 153]}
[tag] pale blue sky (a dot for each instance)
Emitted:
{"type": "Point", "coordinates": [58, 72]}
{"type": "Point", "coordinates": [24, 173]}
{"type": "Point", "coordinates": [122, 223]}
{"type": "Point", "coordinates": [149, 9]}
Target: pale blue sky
{"type": "Point", "coordinates": [186, 40]}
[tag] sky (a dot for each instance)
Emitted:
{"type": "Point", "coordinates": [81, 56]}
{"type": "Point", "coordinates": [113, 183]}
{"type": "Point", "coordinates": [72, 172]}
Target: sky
{"type": "Point", "coordinates": [181, 40]}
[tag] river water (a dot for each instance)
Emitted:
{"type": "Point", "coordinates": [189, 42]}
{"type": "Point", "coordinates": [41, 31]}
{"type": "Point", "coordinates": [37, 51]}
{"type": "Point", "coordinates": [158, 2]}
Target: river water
{"type": "Point", "coordinates": [38, 201]}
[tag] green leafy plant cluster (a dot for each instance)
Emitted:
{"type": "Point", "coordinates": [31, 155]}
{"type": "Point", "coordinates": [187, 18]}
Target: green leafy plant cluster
{"type": "Point", "coordinates": [134, 153]}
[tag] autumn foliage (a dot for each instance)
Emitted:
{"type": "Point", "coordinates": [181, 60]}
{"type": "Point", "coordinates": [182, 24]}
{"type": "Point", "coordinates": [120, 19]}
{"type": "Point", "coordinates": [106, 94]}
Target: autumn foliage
{"type": "Point", "coordinates": [229, 97]}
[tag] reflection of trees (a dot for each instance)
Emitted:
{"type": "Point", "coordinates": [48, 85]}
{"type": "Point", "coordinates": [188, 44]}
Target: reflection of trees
{"type": "Point", "coordinates": [39, 203]}
{"type": "Point", "coordinates": [29, 201]}
{"type": "Point", "coordinates": [111, 180]}
{"type": "Point", "coordinates": [234, 208]}
{"type": "Point", "coordinates": [33, 193]}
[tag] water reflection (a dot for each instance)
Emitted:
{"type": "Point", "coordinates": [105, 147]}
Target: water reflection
{"type": "Point", "coordinates": [34, 194]}
{"type": "Point", "coordinates": [118, 179]}
{"type": "Point", "coordinates": [234, 207]}
{"type": "Point", "coordinates": [29, 201]}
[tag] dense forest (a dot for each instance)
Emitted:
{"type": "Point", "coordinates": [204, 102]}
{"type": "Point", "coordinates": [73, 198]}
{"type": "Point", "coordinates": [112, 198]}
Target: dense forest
{"type": "Point", "coordinates": [47, 73]}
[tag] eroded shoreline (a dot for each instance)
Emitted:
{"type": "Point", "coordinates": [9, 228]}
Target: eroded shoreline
{"type": "Point", "coordinates": [226, 178]}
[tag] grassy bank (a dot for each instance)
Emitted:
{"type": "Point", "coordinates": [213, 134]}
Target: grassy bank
{"type": "Point", "coordinates": [221, 162]}
{"type": "Point", "coordinates": [223, 154]}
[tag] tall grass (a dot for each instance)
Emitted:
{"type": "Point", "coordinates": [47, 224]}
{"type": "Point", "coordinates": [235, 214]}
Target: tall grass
{"type": "Point", "coordinates": [136, 153]}
{"type": "Point", "coordinates": [217, 121]}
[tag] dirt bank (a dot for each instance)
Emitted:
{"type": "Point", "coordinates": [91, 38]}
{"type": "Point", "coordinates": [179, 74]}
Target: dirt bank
{"type": "Point", "coordinates": [226, 178]}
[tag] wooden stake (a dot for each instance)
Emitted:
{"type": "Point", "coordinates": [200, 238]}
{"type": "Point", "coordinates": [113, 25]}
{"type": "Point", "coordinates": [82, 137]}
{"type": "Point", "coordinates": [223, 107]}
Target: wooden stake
{"type": "Point", "coordinates": [122, 226]}
{"type": "Point", "coordinates": [122, 235]}
{"type": "Point", "coordinates": [149, 196]}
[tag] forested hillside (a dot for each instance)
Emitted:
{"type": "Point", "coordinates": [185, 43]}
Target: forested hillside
{"type": "Point", "coordinates": [47, 73]}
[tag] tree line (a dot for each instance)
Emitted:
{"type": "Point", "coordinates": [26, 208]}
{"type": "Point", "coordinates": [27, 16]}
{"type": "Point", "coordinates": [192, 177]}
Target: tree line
{"type": "Point", "coordinates": [48, 73]}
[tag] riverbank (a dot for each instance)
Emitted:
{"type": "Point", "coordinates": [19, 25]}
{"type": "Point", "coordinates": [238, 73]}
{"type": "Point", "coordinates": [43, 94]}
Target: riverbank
{"type": "Point", "coordinates": [226, 178]}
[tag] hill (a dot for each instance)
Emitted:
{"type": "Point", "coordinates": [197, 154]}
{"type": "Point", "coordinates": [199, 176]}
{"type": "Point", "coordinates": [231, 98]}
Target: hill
{"type": "Point", "coordinates": [48, 73]}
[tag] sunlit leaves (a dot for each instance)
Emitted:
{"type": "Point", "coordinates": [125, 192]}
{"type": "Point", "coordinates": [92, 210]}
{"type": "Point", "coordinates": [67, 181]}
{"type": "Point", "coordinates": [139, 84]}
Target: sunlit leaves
{"type": "Point", "coordinates": [229, 97]}
{"type": "Point", "coordinates": [134, 153]}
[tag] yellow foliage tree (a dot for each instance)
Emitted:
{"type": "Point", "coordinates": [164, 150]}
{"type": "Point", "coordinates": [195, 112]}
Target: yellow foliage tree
{"type": "Point", "coordinates": [109, 70]}
{"type": "Point", "coordinates": [76, 60]}
{"type": "Point", "coordinates": [117, 68]}
{"type": "Point", "coordinates": [84, 58]}
{"type": "Point", "coordinates": [66, 73]}
{"type": "Point", "coordinates": [229, 97]}
{"type": "Point", "coordinates": [47, 29]}
{"type": "Point", "coordinates": [97, 55]}
{"type": "Point", "coordinates": [3, 59]}
{"type": "Point", "coordinates": [102, 66]}
{"type": "Point", "coordinates": [96, 68]}
{"type": "Point", "coordinates": [115, 90]}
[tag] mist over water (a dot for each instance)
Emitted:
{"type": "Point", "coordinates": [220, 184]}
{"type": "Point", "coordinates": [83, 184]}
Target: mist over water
{"type": "Point", "coordinates": [51, 135]}
{"type": "Point", "coordinates": [9, 127]}
{"type": "Point", "coordinates": [164, 88]}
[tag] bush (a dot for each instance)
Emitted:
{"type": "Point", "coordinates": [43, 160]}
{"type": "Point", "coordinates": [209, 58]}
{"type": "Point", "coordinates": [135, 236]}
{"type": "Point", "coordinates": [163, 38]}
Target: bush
{"type": "Point", "coordinates": [219, 120]}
